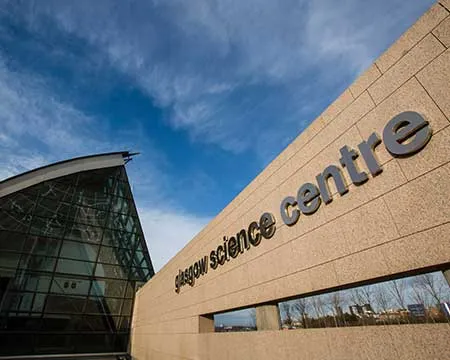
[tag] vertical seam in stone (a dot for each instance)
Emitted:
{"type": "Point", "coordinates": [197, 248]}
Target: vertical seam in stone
{"type": "Point", "coordinates": [432, 99]}
{"type": "Point", "coordinates": [432, 33]}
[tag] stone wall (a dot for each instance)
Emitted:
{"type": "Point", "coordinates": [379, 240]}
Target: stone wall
{"type": "Point", "coordinates": [396, 222]}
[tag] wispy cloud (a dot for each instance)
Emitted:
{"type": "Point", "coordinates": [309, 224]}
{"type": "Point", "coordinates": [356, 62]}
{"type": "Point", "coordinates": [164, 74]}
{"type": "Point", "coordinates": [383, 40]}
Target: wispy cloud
{"type": "Point", "coordinates": [213, 62]}
{"type": "Point", "coordinates": [36, 129]}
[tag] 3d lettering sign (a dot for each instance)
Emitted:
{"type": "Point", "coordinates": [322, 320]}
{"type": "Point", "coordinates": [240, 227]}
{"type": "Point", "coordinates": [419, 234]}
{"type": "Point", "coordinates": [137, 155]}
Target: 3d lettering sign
{"type": "Point", "coordinates": [404, 135]}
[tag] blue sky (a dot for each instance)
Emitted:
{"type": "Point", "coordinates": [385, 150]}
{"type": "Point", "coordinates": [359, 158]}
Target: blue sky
{"type": "Point", "coordinates": [208, 91]}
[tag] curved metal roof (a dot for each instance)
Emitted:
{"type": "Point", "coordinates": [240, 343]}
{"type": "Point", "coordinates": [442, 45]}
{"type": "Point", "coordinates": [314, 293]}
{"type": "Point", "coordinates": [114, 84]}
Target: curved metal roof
{"type": "Point", "coordinates": [63, 168]}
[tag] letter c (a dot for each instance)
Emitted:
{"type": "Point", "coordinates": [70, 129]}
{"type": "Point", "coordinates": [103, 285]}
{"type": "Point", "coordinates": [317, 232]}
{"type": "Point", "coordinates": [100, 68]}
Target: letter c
{"type": "Point", "coordinates": [291, 219]}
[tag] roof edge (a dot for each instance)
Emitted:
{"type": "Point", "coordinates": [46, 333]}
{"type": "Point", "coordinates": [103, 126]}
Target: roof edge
{"type": "Point", "coordinates": [63, 168]}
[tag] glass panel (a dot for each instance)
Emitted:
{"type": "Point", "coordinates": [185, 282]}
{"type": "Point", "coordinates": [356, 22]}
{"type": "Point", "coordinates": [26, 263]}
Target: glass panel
{"type": "Point", "coordinates": [127, 307]}
{"type": "Point", "coordinates": [14, 220]}
{"type": "Point", "coordinates": [96, 323]}
{"type": "Point", "coordinates": [51, 227]}
{"type": "Point", "coordinates": [11, 241]}
{"type": "Point", "coordinates": [16, 344]}
{"type": "Point", "coordinates": [111, 271]}
{"type": "Point", "coordinates": [240, 320]}
{"type": "Point", "coordinates": [85, 233]}
{"type": "Point", "coordinates": [125, 324]}
{"type": "Point", "coordinates": [130, 290]}
{"type": "Point", "coordinates": [87, 215]}
{"type": "Point", "coordinates": [21, 301]}
{"type": "Point", "coordinates": [79, 251]}
{"type": "Point", "coordinates": [54, 344]}
{"type": "Point", "coordinates": [121, 342]}
{"type": "Point", "coordinates": [113, 306]}
{"type": "Point", "coordinates": [49, 208]}
{"type": "Point", "coordinates": [120, 205]}
{"type": "Point", "coordinates": [84, 198]}
{"type": "Point", "coordinates": [61, 322]}
{"type": "Point", "coordinates": [64, 304]}
{"type": "Point", "coordinates": [31, 281]}
{"type": "Point", "coordinates": [9, 259]}
{"type": "Point", "coordinates": [70, 285]}
{"type": "Point", "coordinates": [41, 245]}
{"type": "Point", "coordinates": [95, 343]}
{"type": "Point", "coordinates": [59, 190]}
{"type": "Point", "coordinates": [75, 267]}
{"type": "Point", "coordinates": [109, 255]}
{"type": "Point", "coordinates": [108, 287]}
{"type": "Point", "coordinates": [37, 263]}
{"type": "Point", "coordinates": [21, 202]}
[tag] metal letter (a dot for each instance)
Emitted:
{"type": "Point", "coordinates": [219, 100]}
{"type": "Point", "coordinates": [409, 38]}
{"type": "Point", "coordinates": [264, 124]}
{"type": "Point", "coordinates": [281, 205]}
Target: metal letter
{"type": "Point", "coordinates": [347, 161]}
{"type": "Point", "coordinates": [322, 180]}
{"type": "Point", "coordinates": [408, 125]}
{"type": "Point", "coordinates": [284, 210]}
{"type": "Point", "coordinates": [308, 198]}
{"type": "Point", "coordinates": [367, 149]}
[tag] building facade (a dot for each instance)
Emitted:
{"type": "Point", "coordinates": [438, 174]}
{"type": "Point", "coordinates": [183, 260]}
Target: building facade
{"type": "Point", "coordinates": [343, 240]}
{"type": "Point", "coordinates": [72, 255]}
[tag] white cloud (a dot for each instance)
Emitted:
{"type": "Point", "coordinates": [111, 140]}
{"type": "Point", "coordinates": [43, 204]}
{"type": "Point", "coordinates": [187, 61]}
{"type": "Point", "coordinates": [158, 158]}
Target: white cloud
{"type": "Point", "coordinates": [36, 129]}
{"type": "Point", "coordinates": [192, 57]}
{"type": "Point", "coordinates": [168, 231]}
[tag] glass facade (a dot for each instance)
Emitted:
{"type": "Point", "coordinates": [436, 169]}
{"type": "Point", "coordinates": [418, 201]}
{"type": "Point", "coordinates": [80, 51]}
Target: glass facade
{"type": "Point", "coordinates": [72, 255]}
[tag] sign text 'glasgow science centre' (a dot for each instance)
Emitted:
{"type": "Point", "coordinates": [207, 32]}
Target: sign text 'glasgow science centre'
{"type": "Point", "coordinates": [404, 135]}
{"type": "Point", "coordinates": [338, 249]}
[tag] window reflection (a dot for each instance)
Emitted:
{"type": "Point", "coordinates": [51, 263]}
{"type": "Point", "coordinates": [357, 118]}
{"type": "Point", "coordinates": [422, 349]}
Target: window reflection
{"type": "Point", "coordinates": [418, 299]}
{"type": "Point", "coordinates": [239, 320]}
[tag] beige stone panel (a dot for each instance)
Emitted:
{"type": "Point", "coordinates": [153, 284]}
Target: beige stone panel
{"type": "Point", "coordinates": [337, 106]}
{"type": "Point", "coordinates": [410, 97]}
{"type": "Point", "coordinates": [365, 80]}
{"type": "Point", "coordinates": [374, 342]}
{"type": "Point", "coordinates": [436, 78]}
{"type": "Point", "coordinates": [342, 204]}
{"type": "Point", "coordinates": [342, 123]}
{"type": "Point", "coordinates": [272, 265]}
{"type": "Point", "coordinates": [422, 54]}
{"type": "Point", "coordinates": [307, 344]}
{"type": "Point", "coordinates": [435, 154]}
{"type": "Point", "coordinates": [427, 341]}
{"type": "Point", "coordinates": [364, 265]}
{"type": "Point", "coordinates": [268, 345]}
{"type": "Point", "coordinates": [316, 247]}
{"type": "Point", "coordinates": [391, 178]}
{"type": "Point", "coordinates": [324, 276]}
{"type": "Point", "coordinates": [214, 346]}
{"type": "Point", "coordinates": [411, 37]}
{"type": "Point", "coordinates": [308, 134]}
{"type": "Point", "coordinates": [421, 203]}
{"type": "Point", "coordinates": [422, 249]}
{"type": "Point", "coordinates": [367, 226]}
{"type": "Point", "coordinates": [442, 32]}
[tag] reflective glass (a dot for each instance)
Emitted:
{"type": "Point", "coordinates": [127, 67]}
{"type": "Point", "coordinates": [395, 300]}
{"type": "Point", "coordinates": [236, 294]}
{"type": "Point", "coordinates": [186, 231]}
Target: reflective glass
{"type": "Point", "coordinates": [11, 241]}
{"type": "Point", "coordinates": [79, 251]}
{"type": "Point", "coordinates": [15, 221]}
{"type": "Point", "coordinates": [41, 245]}
{"type": "Point", "coordinates": [417, 299]}
{"type": "Point", "coordinates": [65, 264]}
{"type": "Point", "coordinates": [75, 267]}
{"type": "Point", "coordinates": [85, 233]}
{"type": "Point", "coordinates": [37, 262]}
